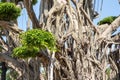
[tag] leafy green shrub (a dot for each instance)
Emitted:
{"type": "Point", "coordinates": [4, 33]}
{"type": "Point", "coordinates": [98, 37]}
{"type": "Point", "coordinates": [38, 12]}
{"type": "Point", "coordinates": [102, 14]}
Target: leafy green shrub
{"type": "Point", "coordinates": [107, 20]}
{"type": "Point", "coordinates": [9, 11]}
{"type": "Point", "coordinates": [33, 41]}
{"type": "Point", "coordinates": [24, 52]}
{"type": "Point", "coordinates": [38, 38]}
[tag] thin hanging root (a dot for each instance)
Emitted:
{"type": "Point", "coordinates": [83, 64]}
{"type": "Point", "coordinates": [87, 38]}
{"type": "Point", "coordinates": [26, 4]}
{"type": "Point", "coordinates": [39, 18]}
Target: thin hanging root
{"type": "Point", "coordinates": [93, 26]}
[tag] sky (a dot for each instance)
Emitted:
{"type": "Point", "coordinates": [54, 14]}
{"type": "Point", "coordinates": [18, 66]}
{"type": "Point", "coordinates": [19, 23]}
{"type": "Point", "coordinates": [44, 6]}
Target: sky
{"type": "Point", "coordinates": [109, 8]}
{"type": "Point", "coordinates": [23, 19]}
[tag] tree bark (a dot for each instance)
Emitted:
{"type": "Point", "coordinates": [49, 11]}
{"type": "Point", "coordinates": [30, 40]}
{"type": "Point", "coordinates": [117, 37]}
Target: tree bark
{"type": "Point", "coordinates": [80, 56]}
{"type": "Point", "coordinates": [113, 26]}
{"type": "Point", "coordinates": [31, 13]}
{"type": "Point", "coordinates": [4, 70]}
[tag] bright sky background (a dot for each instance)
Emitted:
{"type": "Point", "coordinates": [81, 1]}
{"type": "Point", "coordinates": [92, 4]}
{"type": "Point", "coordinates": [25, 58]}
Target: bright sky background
{"type": "Point", "coordinates": [109, 8]}
{"type": "Point", "coordinates": [23, 19]}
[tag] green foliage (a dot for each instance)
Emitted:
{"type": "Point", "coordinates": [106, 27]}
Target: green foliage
{"type": "Point", "coordinates": [9, 11]}
{"type": "Point", "coordinates": [38, 38]}
{"type": "Point", "coordinates": [107, 20]}
{"type": "Point", "coordinates": [25, 52]}
{"type": "Point", "coordinates": [108, 71]}
{"type": "Point", "coordinates": [34, 2]}
{"type": "Point", "coordinates": [33, 41]}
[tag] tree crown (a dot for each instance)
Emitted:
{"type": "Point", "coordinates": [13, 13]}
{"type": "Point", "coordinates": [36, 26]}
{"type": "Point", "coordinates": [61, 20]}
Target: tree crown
{"type": "Point", "coordinates": [9, 11]}
{"type": "Point", "coordinates": [33, 41]}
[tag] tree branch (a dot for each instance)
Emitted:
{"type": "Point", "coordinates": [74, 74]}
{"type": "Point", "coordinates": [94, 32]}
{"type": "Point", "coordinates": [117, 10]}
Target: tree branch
{"type": "Point", "coordinates": [114, 25]}
{"type": "Point", "coordinates": [116, 38]}
{"type": "Point", "coordinates": [11, 62]}
{"type": "Point", "coordinates": [9, 26]}
{"type": "Point", "coordinates": [31, 13]}
{"type": "Point", "coordinates": [89, 20]}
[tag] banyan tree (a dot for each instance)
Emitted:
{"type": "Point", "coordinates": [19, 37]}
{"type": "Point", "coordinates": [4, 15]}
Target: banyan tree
{"type": "Point", "coordinates": [72, 48]}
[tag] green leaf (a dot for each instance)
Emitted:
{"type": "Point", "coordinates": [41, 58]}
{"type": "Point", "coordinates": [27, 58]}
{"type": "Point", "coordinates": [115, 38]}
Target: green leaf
{"type": "Point", "coordinates": [107, 20]}
{"type": "Point", "coordinates": [25, 52]}
{"type": "Point", "coordinates": [34, 40]}
{"type": "Point", "coordinates": [9, 11]}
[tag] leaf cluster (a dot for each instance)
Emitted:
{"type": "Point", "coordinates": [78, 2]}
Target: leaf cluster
{"type": "Point", "coordinates": [24, 52]}
{"type": "Point", "coordinates": [9, 11]}
{"type": "Point", "coordinates": [33, 41]}
{"type": "Point", "coordinates": [107, 20]}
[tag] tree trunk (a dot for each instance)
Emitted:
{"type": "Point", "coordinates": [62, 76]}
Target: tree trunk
{"type": "Point", "coordinates": [31, 70]}
{"type": "Point", "coordinates": [27, 69]}
{"type": "Point", "coordinates": [83, 54]}
{"type": "Point", "coordinates": [80, 55]}
{"type": "Point", "coordinates": [4, 70]}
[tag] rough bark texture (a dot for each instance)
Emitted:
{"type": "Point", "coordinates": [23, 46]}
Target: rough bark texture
{"type": "Point", "coordinates": [4, 69]}
{"type": "Point", "coordinates": [31, 13]}
{"type": "Point", "coordinates": [27, 69]}
{"type": "Point", "coordinates": [83, 54]}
